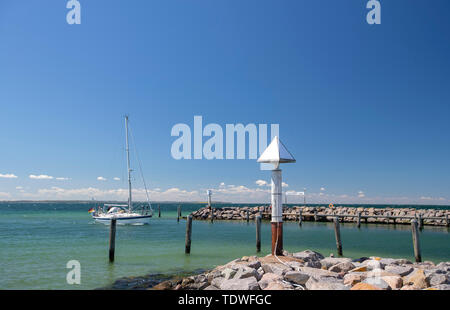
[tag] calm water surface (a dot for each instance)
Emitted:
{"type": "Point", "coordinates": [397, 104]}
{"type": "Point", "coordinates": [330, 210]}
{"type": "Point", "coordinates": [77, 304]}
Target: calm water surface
{"type": "Point", "coordinates": [38, 239]}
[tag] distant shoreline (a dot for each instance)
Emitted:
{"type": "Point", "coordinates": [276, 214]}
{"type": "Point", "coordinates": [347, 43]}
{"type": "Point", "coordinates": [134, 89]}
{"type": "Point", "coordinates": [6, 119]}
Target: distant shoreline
{"type": "Point", "coordinates": [224, 203]}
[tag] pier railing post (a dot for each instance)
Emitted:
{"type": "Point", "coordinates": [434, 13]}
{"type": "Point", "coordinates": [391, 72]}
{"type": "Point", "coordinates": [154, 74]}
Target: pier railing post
{"type": "Point", "coordinates": [337, 233]}
{"type": "Point", "coordinates": [359, 219]}
{"type": "Point", "coordinates": [416, 243]}
{"type": "Point", "coordinates": [112, 240]}
{"type": "Point", "coordinates": [300, 218]}
{"type": "Point", "coordinates": [258, 233]}
{"type": "Point", "coordinates": [188, 235]}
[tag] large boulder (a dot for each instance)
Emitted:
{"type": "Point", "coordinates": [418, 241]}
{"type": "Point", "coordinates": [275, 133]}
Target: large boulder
{"type": "Point", "coordinates": [331, 261]}
{"type": "Point", "coordinates": [297, 277]}
{"type": "Point", "coordinates": [308, 256]}
{"type": "Point", "coordinates": [399, 270]}
{"type": "Point", "coordinates": [279, 269]}
{"type": "Point", "coordinates": [354, 278]}
{"type": "Point", "coordinates": [278, 286]}
{"type": "Point", "coordinates": [365, 287]}
{"type": "Point", "coordinates": [436, 279]}
{"type": "Point", "coordinates": [228, 273]}
{"type": "Point", "coordinates": [247, 284]}
{"type": "Point", "coordinates": [325, 283]}
{"type": "Point", "coordinates": [342, 267]}
{"type": "Point", "coordinates": [314, 272]}
{"type": "Point", "coordinates": [217, 282]}
{"type": "Point", "coordinates": [269, 278]}
{"type": "Point", "coordinates": [417, 279]}
{"type": "Point", "coordinates": [395, 282]}
{"type": "Point", "coordinates": [246, 272]}
{"type": "Point", "coordinates": [378, 282]}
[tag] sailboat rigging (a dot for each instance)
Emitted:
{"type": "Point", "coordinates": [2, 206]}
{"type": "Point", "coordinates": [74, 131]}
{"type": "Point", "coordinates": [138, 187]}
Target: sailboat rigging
{"type": "Point", "coordinates": [124, 214]}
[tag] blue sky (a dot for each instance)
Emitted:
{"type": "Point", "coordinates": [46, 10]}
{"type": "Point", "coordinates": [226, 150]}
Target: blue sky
{"type": "Point", "coordinates": [364, 108]}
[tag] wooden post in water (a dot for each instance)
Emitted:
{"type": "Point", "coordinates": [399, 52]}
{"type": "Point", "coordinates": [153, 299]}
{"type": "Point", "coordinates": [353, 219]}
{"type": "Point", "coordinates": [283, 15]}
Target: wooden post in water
{"type": "Point", "coordinates": [300, 217]}
{"type": "Point", "coordinates": [337, 233]}
{"type": "Point", "coordinates": [315, 216]}
{"type": "Point", "coordinates": [212, 215]}
{"type": "Point", "coordinates": [446, 220]}
{"type": "Point", "coordinates": [178, 213]}
{"type": "Point", "coordinates": [188, 235]}
{"type": "Point", "coordinates": [248, 216]}
{"type": "Point", "coordinates": [159, 211]}
{"type": "Point", "coordinates": [359, 219]}
{"type": "Point", "coordinates": [112, 240]}
{"type": "Point", "coordinates": [416, 243]}
{"type": "Point", "coordinates": [420, 221]}
{"type": "Point", "coordinates": [258, 233]}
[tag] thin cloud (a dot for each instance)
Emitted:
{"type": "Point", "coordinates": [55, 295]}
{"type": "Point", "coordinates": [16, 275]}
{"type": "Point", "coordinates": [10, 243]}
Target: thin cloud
{"type": "Point", "coordinates": [261, 183]}
{"type": "Point", "coordinates": [8, 176]}
{"type": "Point", "coordinates": [101, 179]}
{"type": "Point", "coordinates": [40, 177]}
{"type": "Point", "coordinates": [62, 179]}
{"type": "Point", "coordinates": [116, 179]}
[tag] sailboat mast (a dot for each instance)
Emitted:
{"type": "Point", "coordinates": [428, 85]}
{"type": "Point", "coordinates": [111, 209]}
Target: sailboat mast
{"type": "Point", "coordinates": [128, 164]}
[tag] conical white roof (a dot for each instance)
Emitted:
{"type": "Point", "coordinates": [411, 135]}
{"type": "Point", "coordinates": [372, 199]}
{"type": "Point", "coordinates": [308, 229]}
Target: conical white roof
{"type": "Point", "coordinates": [276, 153]}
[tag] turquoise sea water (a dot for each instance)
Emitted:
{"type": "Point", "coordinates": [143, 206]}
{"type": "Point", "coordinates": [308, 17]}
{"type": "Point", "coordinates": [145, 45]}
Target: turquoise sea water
{"type": "Point", "coordinates": [38, 239]}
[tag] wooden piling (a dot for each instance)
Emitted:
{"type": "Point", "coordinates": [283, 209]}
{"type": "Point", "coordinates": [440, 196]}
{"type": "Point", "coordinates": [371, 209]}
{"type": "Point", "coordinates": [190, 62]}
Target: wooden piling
{"type": "Point", "coordinates": [212, 215]}
{"type": "Point", "coordinates": [337, 233]}
{"type": "Point", "coordinates": [112, 240]}
{"type": "Point", "coordinates": [159, 211]}
{"type": "Point", "coordinates": [178, 213]}
{"type": "Point", "coordinates": [416, 243]}
{"type": "Point", "coordinates": [258, 233]}
{"type": "Point", "coordinates": [300, 218]}
{"type": "Point", "coordinates": [248, 216]}
{"type": "Point", "coordinates": [359, 219]}
{"type": "Point", "coordinates": [316, 217]}
{"type": "Point", "coordinates": [446, 220]}
{"type": "Point", "coordinates": [188, 234]}
{"type": "Point", "coordinates": [420, 221]}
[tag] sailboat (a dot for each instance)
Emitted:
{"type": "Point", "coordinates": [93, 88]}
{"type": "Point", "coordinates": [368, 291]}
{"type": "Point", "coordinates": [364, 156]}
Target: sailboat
{"type": "Point", "coordinates": [124, 213]}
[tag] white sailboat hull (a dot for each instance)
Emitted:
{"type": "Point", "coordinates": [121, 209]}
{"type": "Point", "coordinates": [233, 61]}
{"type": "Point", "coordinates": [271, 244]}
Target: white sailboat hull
{"type": "Point", "coordinates": [125, 220]}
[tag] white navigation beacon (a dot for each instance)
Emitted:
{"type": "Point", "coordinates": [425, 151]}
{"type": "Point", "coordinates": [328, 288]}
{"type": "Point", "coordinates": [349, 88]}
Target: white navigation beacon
{"type": "Point", "coordinates": [276, 154]}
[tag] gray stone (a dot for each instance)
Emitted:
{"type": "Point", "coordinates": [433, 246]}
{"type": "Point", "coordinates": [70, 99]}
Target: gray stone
{"type": "Point", "coordinates": [314, 272]}
{"type": "Point", "coordinates": [245, 272]}
{"type": "Point", "coordinates": [373, 264]}
{"type": "Point", "coordinates": [325, 283]}
{"type": "Point", "coordinates": [211, 288]}
{"type": "Point", "coordinates": [275, 268]}
{"type": "Point", "coordinates": [313, 264]}
{"type": "Point", "coordinates": [254, 264]}
{"type": "Point", "coordinates": [400, 270]}
{"type": "Point", "coordinates": [331, 261]}
{"type": "Point", "coordinates": [378, 282]}
{"type": "Point", "coordinates": [442, 287]}
{"type": "Point", "coordinates": [297, 277]}
{"type": "Point", "coordinates": [268, 278]}
{"type": "Point", "coordinates": [217, 282]}
{"type": "Point", "coordinates": [438, 279]}
{"type": "Point", "coordinates": [308, 256]}
{"type": "Point", "coordinates": [342, 267]}
{"type": "Point", "coordinates": [228, 273]}
{"type": "Point", "coordinates": [240, 284]}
